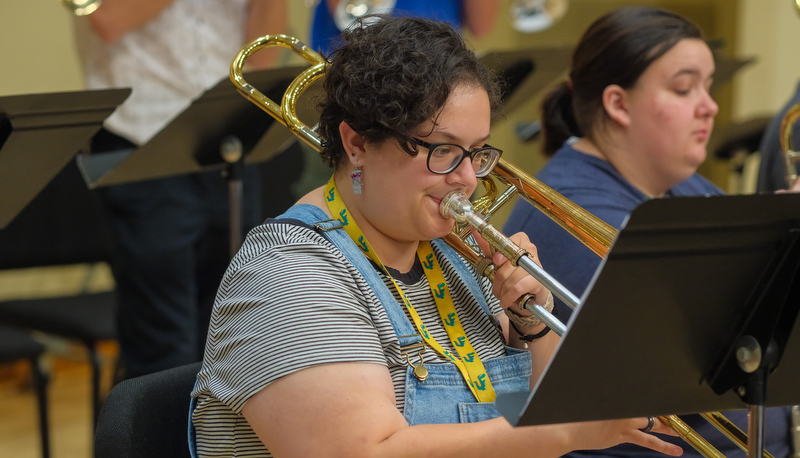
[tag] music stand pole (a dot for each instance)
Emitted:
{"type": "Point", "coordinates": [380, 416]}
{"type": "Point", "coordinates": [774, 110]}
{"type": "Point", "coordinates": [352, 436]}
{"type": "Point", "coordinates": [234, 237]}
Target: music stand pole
{"type": "Point", "coordinates": [761, 337]}
{"type": "Point", "coordinates": [233, 154]}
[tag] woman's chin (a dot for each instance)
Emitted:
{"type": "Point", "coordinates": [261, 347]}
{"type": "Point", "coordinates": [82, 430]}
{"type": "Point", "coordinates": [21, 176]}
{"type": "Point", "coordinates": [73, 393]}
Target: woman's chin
{"type": "Point", "coordinates": [443, 229]}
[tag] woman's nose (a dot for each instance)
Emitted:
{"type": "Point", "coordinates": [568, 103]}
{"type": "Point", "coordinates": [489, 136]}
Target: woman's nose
{"type": "Point", "coordinates": [464, 174]}
{"type": "Point", "coordinates": [708, 107]}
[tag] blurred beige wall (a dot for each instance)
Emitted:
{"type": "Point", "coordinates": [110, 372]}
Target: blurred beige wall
{"type": "Point", "coordinates": [38, 49]}
{"type": "Point", "coordinates": [770, 31]}
{"type": "Point", "coordinates": [37, 53]}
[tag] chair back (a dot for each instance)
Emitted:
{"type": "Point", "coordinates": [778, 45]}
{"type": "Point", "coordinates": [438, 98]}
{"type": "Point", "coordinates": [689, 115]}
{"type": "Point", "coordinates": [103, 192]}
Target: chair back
{"type": "Point", "coordinates": [147, 416]}
{"type": "Point", "coordinates": [64, 224]}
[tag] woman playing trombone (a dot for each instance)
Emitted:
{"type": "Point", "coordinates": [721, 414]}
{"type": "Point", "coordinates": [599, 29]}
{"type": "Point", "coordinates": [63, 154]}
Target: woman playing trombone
{"type": "Point", "coordinates": [345, 327]}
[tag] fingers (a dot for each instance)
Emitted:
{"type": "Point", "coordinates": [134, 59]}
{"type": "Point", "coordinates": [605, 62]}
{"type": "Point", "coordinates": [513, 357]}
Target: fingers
{"type": "Point", "coordinates": [645, 439]}
{"type": "Point", "coordinates": [654, 443]}
{"type": "Point", "coordinates": [482, 243]}
{"type": "Point", "coordinates": [608, 433]}
{"type": "Point", "coordinates": [663, 428]}
{"type": "Point", "coordinates": [795, 186]}
{"type": "Point", "coordinates": [511, 282]}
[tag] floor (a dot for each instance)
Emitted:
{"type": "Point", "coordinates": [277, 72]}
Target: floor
{"type": "Point", "coordinates": [69, 390]}
{"type": "Point", "coordinates": [69, 397]}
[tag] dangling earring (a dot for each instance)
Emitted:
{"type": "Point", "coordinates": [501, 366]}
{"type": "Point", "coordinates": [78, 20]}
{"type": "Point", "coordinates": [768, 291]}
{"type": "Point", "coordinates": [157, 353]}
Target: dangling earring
{"type": "Point", "coordinates": [356, 177]}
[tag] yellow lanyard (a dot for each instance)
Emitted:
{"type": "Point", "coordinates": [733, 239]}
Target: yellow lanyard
{"type": "Point", "coordinates": [467, 361]}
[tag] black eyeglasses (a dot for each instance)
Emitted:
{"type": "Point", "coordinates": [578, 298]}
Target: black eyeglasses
{"type": "Point", "coordinates": [443, 158]}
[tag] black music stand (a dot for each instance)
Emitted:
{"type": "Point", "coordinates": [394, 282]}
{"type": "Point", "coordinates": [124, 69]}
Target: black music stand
{"type": "Point", "coordinates": [661, 323]}
{"type": "Point", "coordinates": [526, 72]}
{"type": "Point", "coordinates": [220, 130]}
{"type": "Point", "coordinates": [40, 134]}
{"type": "Point", "coordinates": [726, 67]}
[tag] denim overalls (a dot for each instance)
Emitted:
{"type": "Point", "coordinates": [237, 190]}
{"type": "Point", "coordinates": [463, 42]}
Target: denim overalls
{"type": "Point", "coordinates": [444, 396]}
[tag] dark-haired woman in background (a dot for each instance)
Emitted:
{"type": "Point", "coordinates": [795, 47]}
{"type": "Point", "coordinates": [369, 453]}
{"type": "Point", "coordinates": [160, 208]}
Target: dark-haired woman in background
{"type": "Point", "coordinates": [312, 351]}
{"type": "Point", "coordinates": [630, 124]}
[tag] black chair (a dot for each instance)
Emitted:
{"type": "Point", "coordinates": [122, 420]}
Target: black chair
{"type": "Point", "coordinates": [63, 225]}
{"type": "Point", "coordinates": [85, 318]}
{"type": "Point", "coordinates": [16, 345]}
{"type": "Point", "coordinates": [147, 416]}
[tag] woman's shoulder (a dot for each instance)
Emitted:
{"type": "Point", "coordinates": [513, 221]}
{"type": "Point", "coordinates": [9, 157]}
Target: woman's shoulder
{"type": "Point", "coordinates": [696, 185]}
{"type": "Point", "coordinates": [570, 168]}
{"type": "Point", "coordinates": [292, 234]}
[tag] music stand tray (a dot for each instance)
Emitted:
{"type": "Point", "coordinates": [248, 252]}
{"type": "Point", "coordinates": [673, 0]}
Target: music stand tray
{"type": "Point", "coordinates": [40, 134]}
{"type": "Point", "coordinates": [527, 72]}
{"type": "Point", "coordinates": [656, 326]}
{"type": "Point", "coordinates": [191, 142]}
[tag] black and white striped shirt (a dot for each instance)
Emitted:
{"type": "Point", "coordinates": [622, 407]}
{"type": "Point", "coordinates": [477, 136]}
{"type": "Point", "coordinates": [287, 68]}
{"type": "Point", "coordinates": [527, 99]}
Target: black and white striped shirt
{"type": "Point", "coordinates": [290, 300]}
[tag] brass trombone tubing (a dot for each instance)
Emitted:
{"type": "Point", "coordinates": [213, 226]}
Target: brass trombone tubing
{"type": "Point", "coordinates": [592, 231]}
{"type": "Point", "coordinates": [730, 430]}
{"type": "Point", "coordinates": [790, 157]}
{"type": "Point", "coordinates": [286, 112]}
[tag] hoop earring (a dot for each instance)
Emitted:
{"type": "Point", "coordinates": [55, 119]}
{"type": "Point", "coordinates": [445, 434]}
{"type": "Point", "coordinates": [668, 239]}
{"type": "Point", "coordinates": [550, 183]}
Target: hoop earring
{"type": "Point", "coordinates": [356, 177]}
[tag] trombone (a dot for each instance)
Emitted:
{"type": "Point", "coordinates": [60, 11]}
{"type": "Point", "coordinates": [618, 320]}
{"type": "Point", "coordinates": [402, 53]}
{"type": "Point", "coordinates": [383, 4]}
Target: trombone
{"type": "Point", "coordinates": [590, 230]}
{"type": "Point", "coordinates": [790, 158]}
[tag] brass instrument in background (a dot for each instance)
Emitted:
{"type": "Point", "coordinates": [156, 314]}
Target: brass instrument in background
{"type": "Point", "coordinates": [790, 157]}
{"type": "Point", "coordinates": [348, 11]}
{"type": "Point", "coordinates": [531, 16]}
{"type": "Point", "coordinates": [82, 7]}
{"type": "Point", "coordinates": [592, 231]}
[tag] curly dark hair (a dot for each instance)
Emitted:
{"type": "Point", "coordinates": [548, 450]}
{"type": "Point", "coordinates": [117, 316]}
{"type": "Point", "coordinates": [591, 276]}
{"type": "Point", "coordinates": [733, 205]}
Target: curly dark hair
{"type": "Point", "coordinates": [389, 77]}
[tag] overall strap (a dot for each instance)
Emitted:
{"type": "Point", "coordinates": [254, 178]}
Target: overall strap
{"type": "Point", "coordinates": [464, 273]}
{"type": "Point", "coordinates": [332, 230]}
{"type": "Point", "coordinates": [314, 217]}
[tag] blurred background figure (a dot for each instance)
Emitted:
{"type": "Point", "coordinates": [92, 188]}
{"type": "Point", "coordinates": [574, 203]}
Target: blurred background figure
{"type": "Point", "coordinates": [330, 17]}
{"type": "Point", "coordinates": [630, 123]}
{"type": "Point", "coordinates": [172, 234]}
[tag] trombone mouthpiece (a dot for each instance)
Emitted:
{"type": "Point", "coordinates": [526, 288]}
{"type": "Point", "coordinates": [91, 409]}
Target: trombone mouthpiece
{"type": "Point", "coordinates": [457, 205]}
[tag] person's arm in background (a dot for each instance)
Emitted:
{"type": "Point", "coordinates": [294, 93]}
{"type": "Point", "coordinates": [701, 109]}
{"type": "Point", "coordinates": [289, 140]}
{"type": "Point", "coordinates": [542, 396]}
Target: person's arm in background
{"type": "Point", "coordinates": [265, 17]}
{"type": "Point", "coordinates": [332, 4]}
{"type": "Point", "coordinates": [480, 16]}
{"type": "Point", "coordinates": [115, 18]}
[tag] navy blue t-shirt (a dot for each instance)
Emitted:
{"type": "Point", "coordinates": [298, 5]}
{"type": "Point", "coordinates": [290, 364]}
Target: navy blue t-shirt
{"type": "Point", "coordinates": [595, 185]}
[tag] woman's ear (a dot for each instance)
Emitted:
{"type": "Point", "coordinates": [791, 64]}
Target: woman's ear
{"type": "Point", "coordinates": [354, 144]}
{"type": "Point", "coordinates": [615, 103]}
